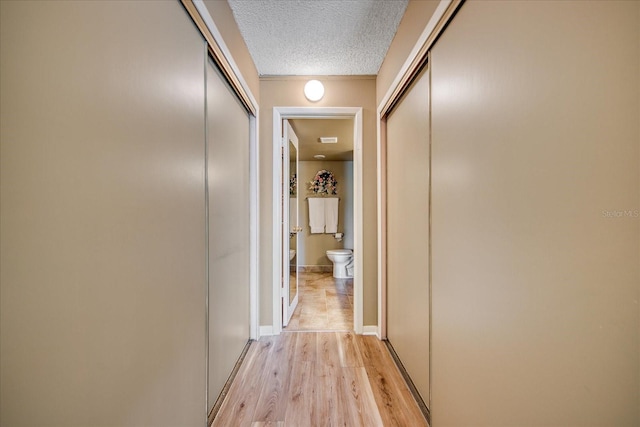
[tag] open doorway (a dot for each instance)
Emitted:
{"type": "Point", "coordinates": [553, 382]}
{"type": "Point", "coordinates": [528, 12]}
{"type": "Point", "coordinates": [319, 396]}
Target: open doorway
{"type": "Point", "coordinates": [311, 254]}
{"type": "Point", "coordinates": [321, 224]}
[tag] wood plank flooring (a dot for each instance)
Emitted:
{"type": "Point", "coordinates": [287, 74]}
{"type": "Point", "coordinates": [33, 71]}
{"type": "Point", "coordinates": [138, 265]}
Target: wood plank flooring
{"type": "Point", "coordinates": [324, 303]}
{"type": "Point", "coordinates": [317, 379]}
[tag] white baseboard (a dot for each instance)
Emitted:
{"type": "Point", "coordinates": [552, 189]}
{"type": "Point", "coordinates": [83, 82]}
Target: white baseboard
{"type": "Point", "coordinates": [266, 330]}
{"type": "Point", "coordinates": [370, 330]}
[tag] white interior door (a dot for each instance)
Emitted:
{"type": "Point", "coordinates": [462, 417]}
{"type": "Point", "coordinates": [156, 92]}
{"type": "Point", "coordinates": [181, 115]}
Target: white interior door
{"type": "Point", "coordinates": [290, 228]}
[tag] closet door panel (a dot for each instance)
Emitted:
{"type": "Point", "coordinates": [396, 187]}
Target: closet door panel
{"type": "Point", "coordinates": [408, 232]}
{"type": "Point", "coordinates": [228, 203]}
{"type": "Point", "coordinates": [535, 109]}
{"type": "Point", "coordinates": [102, 225]}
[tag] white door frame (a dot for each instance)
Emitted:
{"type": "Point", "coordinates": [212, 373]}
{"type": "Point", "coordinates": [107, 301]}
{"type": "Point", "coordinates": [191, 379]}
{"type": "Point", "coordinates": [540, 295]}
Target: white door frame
{"type": "Point", "coordinates": [355, 113]}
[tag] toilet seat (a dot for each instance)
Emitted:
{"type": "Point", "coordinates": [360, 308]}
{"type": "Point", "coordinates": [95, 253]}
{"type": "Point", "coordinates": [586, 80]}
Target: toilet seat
{"type": "Point", "coordinates": [340, 252]}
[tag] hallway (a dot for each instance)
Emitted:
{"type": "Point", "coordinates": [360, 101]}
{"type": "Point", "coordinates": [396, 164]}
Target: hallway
{"type": "Point", "coordinates": [490, 193]}
{"type": "Point", "coordinates": [319, 379]}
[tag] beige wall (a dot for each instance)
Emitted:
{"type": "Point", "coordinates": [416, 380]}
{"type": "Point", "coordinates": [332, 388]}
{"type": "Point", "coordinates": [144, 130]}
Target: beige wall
{"type": "Point", "coordinates": [312, 248]}
{"type": "Point", "coordinates": [226, 24]}
{"type": "Point", "coordinates": [339, 92]}
{"type": "Point", "coordinates": [535, 147]}
{"type": "Point", "coordinates": [411, 27]}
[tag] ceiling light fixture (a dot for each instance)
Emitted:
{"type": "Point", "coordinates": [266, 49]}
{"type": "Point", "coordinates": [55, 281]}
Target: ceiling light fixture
{"type": "Point", "coordinates": [319, 156]}
{"type": "Point", "coordinates": [328, 139]}
{"type": "Point", "coordinates": [314, 90]}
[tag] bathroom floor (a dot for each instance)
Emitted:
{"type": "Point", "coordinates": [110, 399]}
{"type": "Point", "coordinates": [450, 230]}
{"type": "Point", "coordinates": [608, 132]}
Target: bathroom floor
{"type": "Point", "coordinates": [324, 304]}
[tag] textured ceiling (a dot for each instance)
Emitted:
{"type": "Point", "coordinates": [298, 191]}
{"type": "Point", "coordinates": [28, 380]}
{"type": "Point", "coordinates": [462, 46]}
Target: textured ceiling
{"type": "Point", "coordinates": [318, 37]}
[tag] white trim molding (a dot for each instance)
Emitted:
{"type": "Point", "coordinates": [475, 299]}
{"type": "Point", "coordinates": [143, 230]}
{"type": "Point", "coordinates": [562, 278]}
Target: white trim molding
{"type": "Point", "coordinates": [371, 330]}
{"type": "Point", "coordinates": [382, 226]}
{"type": "Point", "coordinates": [355, 113]}
{"type": "Point", "coordinates": [265, 331]}
{"type": "Point", "coordinates": [254, 225]}
{"type": "Point", "coordinates": [441, 16]}
{"type": "Point", "coordinates": [219, 48]}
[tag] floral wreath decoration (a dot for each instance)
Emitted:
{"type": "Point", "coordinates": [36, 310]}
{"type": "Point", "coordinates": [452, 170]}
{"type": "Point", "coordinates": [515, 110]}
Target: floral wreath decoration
{"type": "Point", "coordinates": [293, 183]}
{"type": "Point", "coordinates": [324, 183]}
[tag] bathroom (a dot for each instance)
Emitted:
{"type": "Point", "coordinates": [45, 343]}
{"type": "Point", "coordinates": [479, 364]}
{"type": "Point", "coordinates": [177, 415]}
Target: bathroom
{"type": "Point", "coordinates": [319, 277]}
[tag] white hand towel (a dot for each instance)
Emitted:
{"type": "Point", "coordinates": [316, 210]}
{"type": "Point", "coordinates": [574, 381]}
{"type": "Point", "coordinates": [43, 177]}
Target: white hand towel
{"type": "Point", "coordinates": [316, 214]}
{"type": "Point", "coordinates": [331, 215]}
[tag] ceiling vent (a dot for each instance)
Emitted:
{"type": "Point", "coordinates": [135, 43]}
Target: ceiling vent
{"type": "Point", "coordinates": [329, 139]}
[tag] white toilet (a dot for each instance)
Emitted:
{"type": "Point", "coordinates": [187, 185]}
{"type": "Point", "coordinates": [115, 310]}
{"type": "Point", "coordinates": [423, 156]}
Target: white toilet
{"type": "Point", "coordinates": [340, 259]}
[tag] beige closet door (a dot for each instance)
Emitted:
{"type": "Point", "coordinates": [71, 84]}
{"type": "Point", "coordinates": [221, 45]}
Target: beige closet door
{"type": "Point", "coordinates": [536, 145]}
{"type": "Point", "coordinates": [408, 232]}
{"type": "Point", "coordinates": [228, 216]}
{"type": "Point", "coordinates": [102, 215]}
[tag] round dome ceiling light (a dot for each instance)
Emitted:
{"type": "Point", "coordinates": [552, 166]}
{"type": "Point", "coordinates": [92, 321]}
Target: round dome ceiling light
{"type": "Point", "coordinates": [314, 90]}
{"type": "Point", "coordinates": [319, 156]}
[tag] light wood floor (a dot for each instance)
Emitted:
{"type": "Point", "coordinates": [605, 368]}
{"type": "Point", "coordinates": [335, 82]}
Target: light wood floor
{"type": "Point", "coordinates": [324, 303]}
{"type": "Point", "coordinates": [317, 379]}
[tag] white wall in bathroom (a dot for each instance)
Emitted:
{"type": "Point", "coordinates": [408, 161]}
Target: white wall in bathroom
{"type": "Point", "coordinates": [312, 247]}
